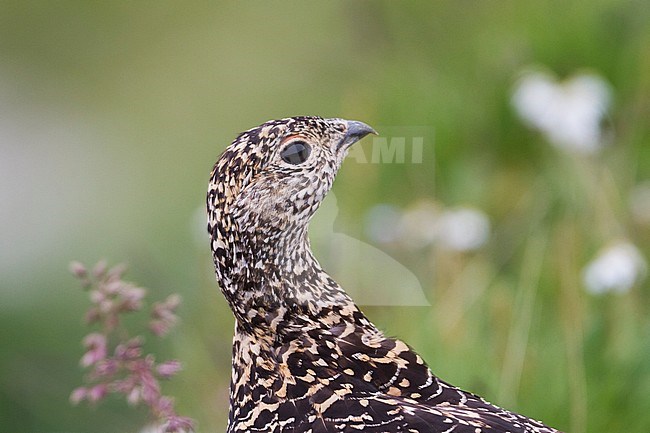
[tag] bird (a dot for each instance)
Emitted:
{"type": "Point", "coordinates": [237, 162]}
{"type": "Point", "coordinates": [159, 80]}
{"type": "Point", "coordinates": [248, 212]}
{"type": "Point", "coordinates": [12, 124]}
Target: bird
{"type": "Point", "coordinates": [304, 357]}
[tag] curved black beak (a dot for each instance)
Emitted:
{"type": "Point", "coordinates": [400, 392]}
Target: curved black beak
{"type": "Point", "coordinates": [356, 131]}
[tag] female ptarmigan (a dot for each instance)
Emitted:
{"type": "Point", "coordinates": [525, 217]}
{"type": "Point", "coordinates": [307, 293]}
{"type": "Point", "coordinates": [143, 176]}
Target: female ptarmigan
{"type": "Point", "coordinates": [305, 358]}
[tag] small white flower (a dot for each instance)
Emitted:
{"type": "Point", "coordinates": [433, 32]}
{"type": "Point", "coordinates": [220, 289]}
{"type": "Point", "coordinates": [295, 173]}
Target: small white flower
{"type": "Point", "coordinates": [426, 223]}
{"type": "Point", "coordinates": [569, 114]}
{"type": "Point", "coordinates": [616, 269]}
{"type": "Point", "coordinates": [381, 223]}
{"type": "Point", "coordinates": [463, 229]}
{"type": "Point", "coordinates": [418, 226]}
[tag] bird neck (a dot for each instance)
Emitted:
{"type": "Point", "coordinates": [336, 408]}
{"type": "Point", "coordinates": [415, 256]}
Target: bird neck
{"type": "Point", "coordinates": [274, 284]}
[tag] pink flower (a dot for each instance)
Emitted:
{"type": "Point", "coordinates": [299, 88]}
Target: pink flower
{"type": "Point", "coordinates": [127, 370]}
{"type": "Point", "coordinates": [162, 315]}
{"type": "Point", "coordinates": [78, 394]}
{"type": "Point", "coordinates": [96, 296]}
{"type": "Point", "coordinates": [97, 392]}
{"type": "Point", "coordinates": [125, 386]}
{"type": "Point", "coordinates": [178, 424]}
{"type": "Point", "coordinates": [105, 368]}
{"type": "Point", "coordinates": [78, 270]}
{"type": "Point", "coordinates": [96, 349]}
{"type": "Point", "coordinates": [134, 397]}
{"type": "Point", "coordinates": [132, 298]}
{"type": "Point", "coordinates": [165, 406]}
{"type": "Point", "coordinates": [132, 349]}
{"type": "Point", "coordinates": [150, 388]}
{"type": "Point", "coordinates": [113, 287]}
{"type": "Point", "coordinates": [168, 369]}
{"type": "Point", "coordinates": [106, 306]}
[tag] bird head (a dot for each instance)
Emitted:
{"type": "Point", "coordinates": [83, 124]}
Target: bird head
{"type": "Point", "coordinates": [265, 188]}
{"type": "Point", "coordinates": [272, 178]}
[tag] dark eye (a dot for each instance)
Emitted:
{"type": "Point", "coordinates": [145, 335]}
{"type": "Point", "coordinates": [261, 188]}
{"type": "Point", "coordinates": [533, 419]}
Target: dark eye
{"type": "Point", "coordinates": [296, 152]}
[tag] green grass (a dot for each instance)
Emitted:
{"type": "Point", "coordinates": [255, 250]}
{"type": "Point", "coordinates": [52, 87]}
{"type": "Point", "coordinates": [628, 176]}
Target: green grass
{"type": "Point", "coordinates": [118, 110]}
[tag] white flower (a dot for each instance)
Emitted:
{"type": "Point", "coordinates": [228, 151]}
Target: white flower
{"type": "Point", "coordinates": [569, 114]}
{"type": "Point", "coordinates": [616, 269]}
{"type": "Point", "coordinates": [426, 223]}
{"type": "Point", "coordinates": [463, 229]}
{"type": "Point", "coordinates": [381, 223]}
{"type": "Point", "coordinates": [418, 226]}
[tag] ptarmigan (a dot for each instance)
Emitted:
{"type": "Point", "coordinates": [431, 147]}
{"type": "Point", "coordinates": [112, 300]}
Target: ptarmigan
{"type": "Point", "coordinates": [305, 358]}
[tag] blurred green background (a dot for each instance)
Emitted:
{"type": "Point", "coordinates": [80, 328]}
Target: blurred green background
{"type": "Point", "coordinates": [112, 114]}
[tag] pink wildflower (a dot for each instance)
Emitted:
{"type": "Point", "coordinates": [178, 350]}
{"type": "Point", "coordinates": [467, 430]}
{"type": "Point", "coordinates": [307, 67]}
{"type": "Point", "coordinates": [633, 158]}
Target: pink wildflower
{"type": "Point", "coordinates": [163, 317]}
{"type": "Point", "coordinates": [97, 393]}
{"type": "Point", "coordinates": [78, 394]}
{"type": "Point", "coordinates": [125, 369]}
{"type": "Point", "coordinates": [179, 424]}
{"type": "Point", "coordinates": [95, 349]}
{"type": "Point", "coordinates": [78, 270]}
{"type": "Point", "coordinates": [130, 349]}
{"type": "Point", "coordinates": [168, 369]}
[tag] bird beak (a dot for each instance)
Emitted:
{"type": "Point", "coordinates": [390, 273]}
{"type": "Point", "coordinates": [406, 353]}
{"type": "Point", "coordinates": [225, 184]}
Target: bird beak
{"type": "Point", "coordinates": [356, 131]}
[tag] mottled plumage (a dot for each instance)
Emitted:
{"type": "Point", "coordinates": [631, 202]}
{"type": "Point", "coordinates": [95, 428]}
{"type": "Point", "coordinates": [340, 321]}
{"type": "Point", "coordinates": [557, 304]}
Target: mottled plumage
{"type": "Point", "coordinates": [305, 358]}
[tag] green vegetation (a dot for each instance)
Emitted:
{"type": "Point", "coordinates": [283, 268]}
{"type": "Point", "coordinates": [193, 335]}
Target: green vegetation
{"type": "Point", "coordinates": [112, 114]}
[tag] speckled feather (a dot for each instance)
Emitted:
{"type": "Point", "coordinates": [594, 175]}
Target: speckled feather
{"type": "Point", "coordinates": [305, 358]}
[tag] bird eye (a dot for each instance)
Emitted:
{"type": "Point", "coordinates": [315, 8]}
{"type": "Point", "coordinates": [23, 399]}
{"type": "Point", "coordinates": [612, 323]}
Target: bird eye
{"type": "Point", "coordinates": [296, 152]}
